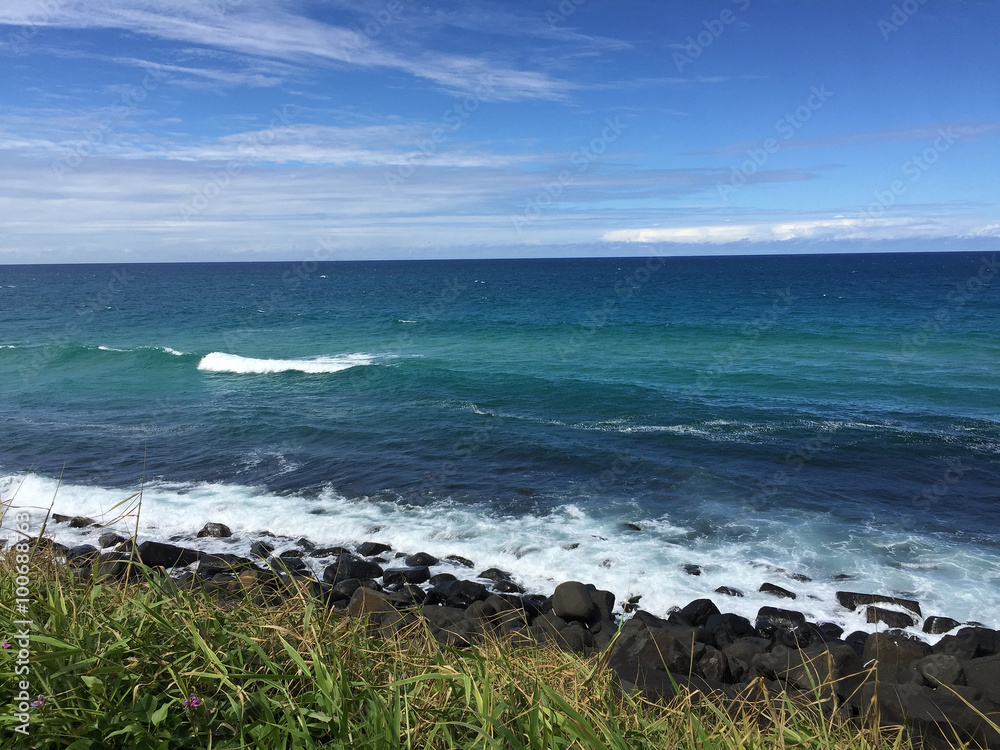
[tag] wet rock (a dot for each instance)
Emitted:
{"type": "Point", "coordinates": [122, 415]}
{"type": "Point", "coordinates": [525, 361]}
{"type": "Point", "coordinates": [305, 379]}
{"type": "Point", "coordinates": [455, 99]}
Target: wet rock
{"type": "Point", "coordinates": [349, 566]}
{"type": "Point", "coordinates": [217, 530]}
{"type": "Point", "coordinates": [984, 674]}
{"type": "Point", "coordinates": [728, 628]}
{"type": "Point", "coordinates": [329, 552]}
{"type": "Point", "coordinates": [153, 554]}
{"type": "Point", "coordinates": [401, 576]}
{"type": "Point", "coordinates": [365, 601]}
{"type": "Point", "coordinates": [633, 527]}
{"type": "Point", "coordinates": [890, 617]}
{"type": "Point", "coordinates": [930, 714]}
{"type": "Point", "coordinates": [109, 539]}
{"type": "Point", "coordinates": [893, 655]}
{"type": "Point", "coordinates": [290, 553]}
{"type": "Point", "coordinates": [769, 619]}
{"type": "Point", "coordinates": [440, 578]}
{"type": "Point", "coordinates": [370, 549]}
{"type": "Point", "coordinates": [799, 577]}
{"type": "Point", "coordinates": [632, 604]}
{"type": "Point", "coordinates": [856, 640]}
{"type": "Point", "coordinates": [75, 522]}
{"type": "Point", "coordinates": [984, 642]}
{"type": "Point", "coordinates": [770, 588]}
{"type": "Point", "coordinates": [213, 564]}
{"type": "Point", "coordinates": [935, 625]}
{"type": "Point", "coordinates": [502, 581]}
{"type": "Point", "coordinates": [728, 591]}
{"type": "Point", "coordinates": [421, 559]}
{"type": "Point", "coordinates": [260, 548]}
{"type": "Point", "coordinates": [692, 570]}
{"type": "Point", "coordinates": [459, 560]}
{"type": "Point", "coordinates": [82, 554]}
{"type": "Point", "coordinates": [696, 613]}
{"type": "Point", "coordinates": [938, 669]}
{"type": "Point", "coordinates": [457, 593]}
{"type": "Point", "coordinates": [852, 601]}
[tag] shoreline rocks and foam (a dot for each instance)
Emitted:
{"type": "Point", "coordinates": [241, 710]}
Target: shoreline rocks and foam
{"type": "Point", "coordinates": [952, 683]}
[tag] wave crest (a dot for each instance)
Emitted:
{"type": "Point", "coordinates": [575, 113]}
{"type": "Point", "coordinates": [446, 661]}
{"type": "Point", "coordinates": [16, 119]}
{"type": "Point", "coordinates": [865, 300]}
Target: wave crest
{"type": "Point", "coordinates": [233, 363]}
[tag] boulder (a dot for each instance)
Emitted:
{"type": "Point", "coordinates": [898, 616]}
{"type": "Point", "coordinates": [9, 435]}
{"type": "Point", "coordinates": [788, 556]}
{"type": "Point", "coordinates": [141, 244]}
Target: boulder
{"type": "Point", "coordinates": [773, 590]}
{"type": "Point", "coordinates": [852, 601]}
{"type": "Point", "coordinates": [931, 715]}
{"type": "Point", "coordinates": [893, 655]}
{"type": "Point", "coordinates": [769, 619]}
{"type": "Point", "coordinates": [403, 576]}
{"type": "Point", "coordinates": [370, 549]}
{"type": "Point", "coordinates": [159, 554]}
{"type": "Point", "coordinates": [696, 613]}
{"type": "Point", "coordinates": [109, 539]}
{"type": "Point", "coordinates": [365, 601]}
{"type": "Point", "coordinates": [692, 570]}
{"type": "Point", "coordinates": [935, 625]}
{"type": "Point", "coordinates": [728, 628]}
{"type": "Point", "coordinates": [824, 666]}
{"type": "Point", "coordinates": [984, 674]}
{"type": "Point", "coordinates": [421, 559]}
{"type": "Point", "coordinates": [329, 552]}
{"type": "Point", "coordinates": [218, 530]}
{"type": "Point", "coordinates": [728, 591]}
{"type": "Point", "coordinates": [75, 522]}
{"type": "Point", "coordinates": [439, 578]}
{"type": "Point", "coordinates": [457, 593]}
{"type": "Point", "coordinates": [938, 669]}
{"type": "Point", "coordinates": [459, 560]}
{"type": "Point", "coordinates": [890, 617]}
{"type": "Point", "coordinates": [984, 642]}
{"type": "Point", "coordinates": [571, 601]}
{"type": "Point", "coordinates": [261, 549]}
{"type": "Point", "coordinates": [349, 566]}
{"type": "Point", "coordinates": [213, 564]}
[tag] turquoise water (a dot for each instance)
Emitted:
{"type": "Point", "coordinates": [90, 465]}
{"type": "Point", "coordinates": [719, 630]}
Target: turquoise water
{"type": "Point", "coordinates": [820, 415]}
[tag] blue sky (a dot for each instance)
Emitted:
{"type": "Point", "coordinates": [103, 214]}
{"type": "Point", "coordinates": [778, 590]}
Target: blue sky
{"type": "Point", "coordinates": [157, 130]}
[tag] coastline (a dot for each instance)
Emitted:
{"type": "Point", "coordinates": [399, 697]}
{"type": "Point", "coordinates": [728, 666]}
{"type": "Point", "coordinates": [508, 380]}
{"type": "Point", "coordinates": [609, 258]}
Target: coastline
{"type": "Point", "coordinates": [885, 673]}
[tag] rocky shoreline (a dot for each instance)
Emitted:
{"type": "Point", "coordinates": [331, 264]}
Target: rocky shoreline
{"type": "Point", "coordinates": [952, 686]}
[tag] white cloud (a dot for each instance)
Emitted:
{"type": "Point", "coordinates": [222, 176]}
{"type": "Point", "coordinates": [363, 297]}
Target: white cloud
{"type": "Point", "coordinates": [838, 228]}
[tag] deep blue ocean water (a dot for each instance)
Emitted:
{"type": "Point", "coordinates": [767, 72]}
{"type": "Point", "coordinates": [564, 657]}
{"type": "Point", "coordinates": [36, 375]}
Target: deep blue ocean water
{"type": "Point", "coordinates": [757, 416]}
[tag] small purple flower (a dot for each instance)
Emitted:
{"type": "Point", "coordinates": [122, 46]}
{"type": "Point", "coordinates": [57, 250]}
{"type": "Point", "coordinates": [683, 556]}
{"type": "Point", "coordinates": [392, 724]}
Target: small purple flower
{"type": "Point", "coordinates": [4, 645]}
{"type": "Point", "coordinates": [38, 703]}
{"type": "Point", "coordinates": [191, 702]}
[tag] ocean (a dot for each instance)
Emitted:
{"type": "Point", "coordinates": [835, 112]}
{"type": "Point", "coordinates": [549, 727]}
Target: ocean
{"type": "Point", "coordinates": [821, 422]}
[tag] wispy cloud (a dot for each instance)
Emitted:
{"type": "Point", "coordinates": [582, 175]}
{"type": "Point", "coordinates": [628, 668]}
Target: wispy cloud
{"type": "Point", "coordinates": [268, 29]}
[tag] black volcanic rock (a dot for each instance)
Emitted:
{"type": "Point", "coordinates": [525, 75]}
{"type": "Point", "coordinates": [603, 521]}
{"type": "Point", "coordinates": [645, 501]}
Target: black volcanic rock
{"type": "Point", "coordinates": [370, 549]}
{"type": "Point", "coordinates": [402, 576]}
{"type": "Point", "coordinates": [349, 566]}
{"type": "Point", "coordinates": [421, 559]}
{"type": "Point", "coordinates": [935, 625]}
{"type": "Point", "coordinates": [158, 554]}
{"type": "Point", "coordinates": [770, 588]}
{"type": "Point", "coordinates": [890, 617]}
{"type": "Point", "coordinates": [109, 539]}
{"type": "Point", "coordinates": [728, 591]}
{"type": "Point", "coordinates": [218, 530]}
{"type": "Point", "coordinates": [852, 601]}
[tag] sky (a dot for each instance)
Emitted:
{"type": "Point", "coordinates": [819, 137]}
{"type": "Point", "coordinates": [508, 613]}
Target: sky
{"type": "Point", "coordinates": [188, 130]}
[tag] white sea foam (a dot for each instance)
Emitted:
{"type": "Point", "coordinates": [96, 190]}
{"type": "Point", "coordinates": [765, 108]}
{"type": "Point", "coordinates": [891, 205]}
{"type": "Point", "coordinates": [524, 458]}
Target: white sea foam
{"type": "Point", "coordinates": [233, 363]}
{"type": "Point", "coordinates": [569, 543]}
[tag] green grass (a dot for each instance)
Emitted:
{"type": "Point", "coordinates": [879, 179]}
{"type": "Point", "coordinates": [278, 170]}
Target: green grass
{"type": "Point", "coordinates": [115, 661]}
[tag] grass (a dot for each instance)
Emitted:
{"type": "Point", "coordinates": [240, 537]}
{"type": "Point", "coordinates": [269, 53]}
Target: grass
{"type": "Point", "coordinates": [115, 662]}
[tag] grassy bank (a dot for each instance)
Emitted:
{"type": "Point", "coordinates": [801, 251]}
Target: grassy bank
{"type": "Point", "coordinates": [145, 665]}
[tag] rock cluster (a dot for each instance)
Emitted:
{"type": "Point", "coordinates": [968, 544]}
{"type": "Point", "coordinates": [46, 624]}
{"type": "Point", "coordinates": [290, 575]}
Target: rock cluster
{"type": "Point", "coordinates": [940, 691]}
